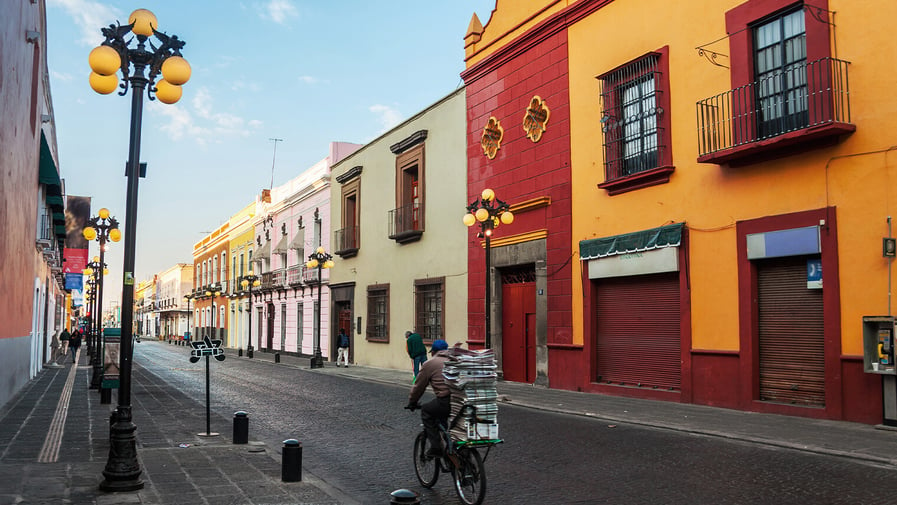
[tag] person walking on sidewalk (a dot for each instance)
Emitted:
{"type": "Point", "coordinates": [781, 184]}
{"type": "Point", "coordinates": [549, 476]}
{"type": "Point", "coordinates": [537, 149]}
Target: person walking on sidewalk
{"type": "Point", "coordinates": [64, 342]}
{"type": "Point", "coordinates": [75, 343]}
{"type": "Point", "coordinates": [417, 351]}
{"type": "Point", "coordinates": [342, 344]}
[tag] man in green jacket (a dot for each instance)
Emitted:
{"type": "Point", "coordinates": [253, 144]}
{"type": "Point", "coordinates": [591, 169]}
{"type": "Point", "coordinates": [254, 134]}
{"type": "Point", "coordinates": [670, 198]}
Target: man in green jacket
{"type": "Point", "coordinates": [64, 341]}
{"type": "Point", "coordinates": [417, 351]}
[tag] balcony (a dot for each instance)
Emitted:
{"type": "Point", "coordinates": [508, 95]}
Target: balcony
{"type": "Point", "coordinates": [294, 275]}
{"type": "Point", "coordinates": [266, 281]}
{"type": "Point", "coordinates": [346, 242]}
{"type": "Point", "coordinates": [310, 275]}
{"type": "Point", "coordinates": [405, 223]}
{"type": "Point", "coordinates": [802, 107]}
{"type": "Point", "coordinates": [279, 278]}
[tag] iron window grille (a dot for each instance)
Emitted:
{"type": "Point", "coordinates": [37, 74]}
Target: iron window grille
{"type": "Point", "coordinates": [378, 313]}
{"type": "Point", "coordinates": [429, 308]}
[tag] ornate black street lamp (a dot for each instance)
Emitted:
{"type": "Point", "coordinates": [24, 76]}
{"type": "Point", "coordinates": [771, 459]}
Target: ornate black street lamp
{"type": "Point", "coordinates": [91, 292]}
{"type": "Point", "coordinates": [489, 212]}
{"type": "Point", "coordinates": [213, 292]}
{"type": "Point", "coordinates": [122, 472]}
{"type": "Point", "coordinates": [250, 281]}
{"type": "Point", "coordinates": [101, 228]}
{"type": "Point", "coordinates": [320, 260]}
{"type": "Point", "coordinates": [189, 297]}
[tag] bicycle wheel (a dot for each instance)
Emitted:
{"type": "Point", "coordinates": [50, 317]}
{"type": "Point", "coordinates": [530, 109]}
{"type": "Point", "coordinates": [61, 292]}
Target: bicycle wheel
{"type": "Point", "coordinates": [426, 467]}
{"type": "Point", "coordinates": [470, 476]}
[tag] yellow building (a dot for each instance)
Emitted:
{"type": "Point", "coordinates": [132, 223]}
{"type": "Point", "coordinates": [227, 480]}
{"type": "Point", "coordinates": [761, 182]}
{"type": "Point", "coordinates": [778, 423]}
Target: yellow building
{"type": "Point", "coordinates": [240, 244]}
{"type": "Point", "coordinates": [730, 190]}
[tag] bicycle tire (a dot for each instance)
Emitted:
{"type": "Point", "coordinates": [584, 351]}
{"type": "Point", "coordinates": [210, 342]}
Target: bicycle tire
{"type": "Point", "coordinates": [470, 476]}
{"type": "Point", "coordinates": [426, 467]}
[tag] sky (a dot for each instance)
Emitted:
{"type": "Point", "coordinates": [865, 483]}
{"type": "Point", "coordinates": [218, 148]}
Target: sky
{"type": "Point", "coordinates": [309, 72]}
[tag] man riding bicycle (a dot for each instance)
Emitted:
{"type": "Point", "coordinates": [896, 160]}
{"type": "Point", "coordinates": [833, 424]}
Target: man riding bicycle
{"type": "Point", "coordinates": [438, 409]}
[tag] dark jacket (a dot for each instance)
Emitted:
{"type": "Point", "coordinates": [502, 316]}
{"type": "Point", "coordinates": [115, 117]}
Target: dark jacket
{"type": "Point", "coordinates": [343, 340]}
{"type": "Point", "coordinates": [75, 340]}
{"type": "Point", "coordinates": [415, 346]}
{"type": "Point", "coordinates": [65, 336]}
{"type": "Point", "coordinates": [431, 373]}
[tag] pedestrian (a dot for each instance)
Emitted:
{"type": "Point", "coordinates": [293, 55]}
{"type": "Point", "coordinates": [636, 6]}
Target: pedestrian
{"type": "Point", "coordinates": [417, 351]}
{"type": "Point", "coordinates": [64, 341]}
{"type": "Point", "coordinates": [74, 344]}
{"type": "Point", "coordinates": [342, 344]}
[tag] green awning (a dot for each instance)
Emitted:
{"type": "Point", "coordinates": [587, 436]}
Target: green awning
{"type": "Point", "coordinates": [645, 240]}
{"type": "Point", "coordinates": [60, 230]}
{"type": "Point", "coordinates": [56, 202]}
{"type": "Point", "coordinates": [58, 218]}
{"type": "Point", "coordinates": [49, 174]}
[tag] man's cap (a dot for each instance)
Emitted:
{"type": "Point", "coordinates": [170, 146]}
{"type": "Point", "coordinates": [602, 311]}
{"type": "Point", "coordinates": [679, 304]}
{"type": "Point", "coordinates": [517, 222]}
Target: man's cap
{"type": "Point", "coordinates": [438, 345]}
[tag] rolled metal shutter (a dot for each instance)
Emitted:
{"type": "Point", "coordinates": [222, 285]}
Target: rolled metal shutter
{"type": "Point", "coordinates": [638, 331]}
{"type": "Point", "coordinates": [791, 341]}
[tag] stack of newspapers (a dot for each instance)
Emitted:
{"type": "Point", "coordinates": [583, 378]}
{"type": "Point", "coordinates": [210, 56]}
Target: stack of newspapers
{"type": "Point", "coordinates": [471, 377]}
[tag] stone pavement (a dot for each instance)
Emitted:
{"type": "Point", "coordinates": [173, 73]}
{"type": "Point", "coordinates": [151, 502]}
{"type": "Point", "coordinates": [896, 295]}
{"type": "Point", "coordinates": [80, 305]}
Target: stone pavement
{"type": "Point", "coordinates": [54, 438]}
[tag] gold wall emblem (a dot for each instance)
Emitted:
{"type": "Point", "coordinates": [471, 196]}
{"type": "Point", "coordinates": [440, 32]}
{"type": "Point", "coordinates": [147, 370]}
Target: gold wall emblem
{"type": "Point", "coordinates": [536, 118]}
{"type": "Point", "coordinates": [492, 135]}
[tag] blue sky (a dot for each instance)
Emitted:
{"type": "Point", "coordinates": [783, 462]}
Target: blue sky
{"type": "Point", "coordinates": [308, 72]}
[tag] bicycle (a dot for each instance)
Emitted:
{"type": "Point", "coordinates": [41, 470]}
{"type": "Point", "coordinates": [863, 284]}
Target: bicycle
{"type": "Point", "coordinates": [461, 458]}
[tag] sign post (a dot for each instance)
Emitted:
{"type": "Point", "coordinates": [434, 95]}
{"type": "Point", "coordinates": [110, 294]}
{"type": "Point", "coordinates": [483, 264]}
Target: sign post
{"type": "Point", "coordinates": [207, 348]}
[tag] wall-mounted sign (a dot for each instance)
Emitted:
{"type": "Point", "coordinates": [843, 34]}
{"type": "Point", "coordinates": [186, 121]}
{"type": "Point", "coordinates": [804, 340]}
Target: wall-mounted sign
{"type": "Point", "coordinates": [814, 273]}
{"type": "Point", "coordinates": [536, 118]}
{"type": "Point", "coordinates": [492, 135]}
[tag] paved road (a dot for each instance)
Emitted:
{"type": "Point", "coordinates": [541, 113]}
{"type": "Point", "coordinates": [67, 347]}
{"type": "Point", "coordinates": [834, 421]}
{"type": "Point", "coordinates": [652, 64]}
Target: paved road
{"type": "Point", "coordinates": [357, 438]}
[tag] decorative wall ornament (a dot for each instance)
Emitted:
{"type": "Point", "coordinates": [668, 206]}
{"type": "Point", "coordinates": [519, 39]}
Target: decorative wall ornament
{"type": "Point", "coordinates": [492, 135]}
{"type": "Point", "coordinates": [535, 120]}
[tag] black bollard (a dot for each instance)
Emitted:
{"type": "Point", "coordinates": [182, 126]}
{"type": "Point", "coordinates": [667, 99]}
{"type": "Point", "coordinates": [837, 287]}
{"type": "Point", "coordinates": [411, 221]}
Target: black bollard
{"type": "Point", "coordinates": [240, 352]}
{"type": "Point", "coordinates": [249, 352]}
{"type": "Point", "coordinates": [291, 468]}
{"type": "Point", "coordinates": [105, 396]}
{"type": "Point", "coordinates": [241, 427]}
{"type": "Point", "coordinates": [403, 496]}
{"type": "Point", "coordinates": [277, 357]}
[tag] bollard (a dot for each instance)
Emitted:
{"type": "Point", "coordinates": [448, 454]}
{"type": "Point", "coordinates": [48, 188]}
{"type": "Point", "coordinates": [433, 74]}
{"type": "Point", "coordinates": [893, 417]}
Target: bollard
{"type": "Point", "coordinates": [403, 496]}
{"type": "Point", "coordinates": [105, 396]}
{"type": "Point", "coordinates": [277, 357]}
{"type": "Point", "coordinates": [240, 352]}
{"type": "Point", "coordinates": [249, 352]}
{"type": "Point", "coordinates": [291, 468]}
{"type": "Point", "coordinates": [241, 427]}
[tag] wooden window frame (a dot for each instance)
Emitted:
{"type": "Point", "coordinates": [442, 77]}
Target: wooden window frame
{"type": "Point", "coordinates": [418, 314]}
{"type": "Point", "coordinates": [373, 291]}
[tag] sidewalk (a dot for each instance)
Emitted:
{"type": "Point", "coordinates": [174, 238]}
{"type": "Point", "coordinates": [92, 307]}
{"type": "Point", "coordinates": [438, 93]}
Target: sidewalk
{"type": "Point", "coordinates": [836, 438]}
{"type": "Point", "coordinates": [54, 442]}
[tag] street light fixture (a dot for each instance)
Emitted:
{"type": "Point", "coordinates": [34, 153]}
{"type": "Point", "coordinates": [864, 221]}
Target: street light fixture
{"type": "Point", "coordinates": [122, 472]}
{"type": "Point", "coordinates": [214, 291]}
{"type": "Point", "coordinates": [320, 260]}
{"type": "Point", "coordinates": [489, 212]}
{"type": "Point", "coordinates": [101, 228]}
{"type": "Point", "coordinates": [250, 281]}
{"type": "Point", "coordinates": [188, 297]}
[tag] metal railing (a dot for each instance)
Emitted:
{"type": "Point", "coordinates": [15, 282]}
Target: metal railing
{"type": "Point", "coordinates": [294, 275]}
{"type": "Point", "coordinates": [799, 97]}
{"type": "Point", "coordinates": [405, 219]}
{"type": "Point", "coordinates": [345, 239]}
{"type": "Point", "coordinates": [278, 278]}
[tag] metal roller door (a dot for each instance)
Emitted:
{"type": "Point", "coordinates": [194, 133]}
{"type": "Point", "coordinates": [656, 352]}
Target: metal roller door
{"type": "Point", "coordinates": [638, 331]}
{"type": "Point", "coordinates": [792, 351]}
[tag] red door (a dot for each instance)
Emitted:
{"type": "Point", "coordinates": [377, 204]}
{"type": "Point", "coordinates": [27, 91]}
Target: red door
{"type": "Point", "coordinates": [270, 326]}
{"type": "Point", "coordinates": [345, 323]}
{"type": "Point", "coordinates": [518, 344]}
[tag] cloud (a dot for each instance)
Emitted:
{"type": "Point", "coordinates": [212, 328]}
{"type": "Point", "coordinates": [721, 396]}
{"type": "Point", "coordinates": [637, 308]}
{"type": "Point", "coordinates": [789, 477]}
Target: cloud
{"type": "Point", "coordinates": [89, 16]}
{"type": "Point", "coordinates": [201, 122]}
{"type": "Point", "coordinates": [389, 117]}
{"type": "Point", "coordinates": [60, 76]}
{"type": "Point", "coordinates": [278, 11]}
{"type": "Point", "coordinates": [307, 79]}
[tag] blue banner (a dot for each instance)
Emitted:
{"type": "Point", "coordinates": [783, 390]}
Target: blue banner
{"type": "Point", "coordinates": [74, 281]}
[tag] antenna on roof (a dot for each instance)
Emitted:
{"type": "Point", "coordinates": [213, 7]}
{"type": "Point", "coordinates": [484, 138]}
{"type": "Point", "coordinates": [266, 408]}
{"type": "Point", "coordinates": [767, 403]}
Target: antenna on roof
{"type": "Point", "coordinates": [273, 160]}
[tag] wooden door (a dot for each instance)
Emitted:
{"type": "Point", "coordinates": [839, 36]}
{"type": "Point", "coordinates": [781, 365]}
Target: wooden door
{"type": "Point", "coordinates": [518, 344]}
{"type": "Point", "coordinates": [270, 335]}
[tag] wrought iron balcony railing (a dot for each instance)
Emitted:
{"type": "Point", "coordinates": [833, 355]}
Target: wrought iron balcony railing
{"type": "Point", "coordinates": [405, 223]}
{"type": "Point", "coordinates": [809, 96]}
{"type": "Point", "coordinates": [346, 241]}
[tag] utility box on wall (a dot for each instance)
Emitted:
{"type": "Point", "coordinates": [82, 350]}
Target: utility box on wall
{"type": "Point", "coordinates": [878, 344]}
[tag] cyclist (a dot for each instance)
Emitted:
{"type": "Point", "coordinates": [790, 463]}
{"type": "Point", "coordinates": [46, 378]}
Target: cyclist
{"type": "Point", "coordinates": [438, 409]}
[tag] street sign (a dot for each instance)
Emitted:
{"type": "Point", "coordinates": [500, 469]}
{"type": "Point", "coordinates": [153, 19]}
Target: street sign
{"type": "Point", "coordinates": [206, 347]}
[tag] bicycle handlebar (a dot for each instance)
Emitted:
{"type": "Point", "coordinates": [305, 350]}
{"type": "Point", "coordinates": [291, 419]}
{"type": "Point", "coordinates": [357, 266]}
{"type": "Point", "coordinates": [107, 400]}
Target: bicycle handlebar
{"type": "Point", "coordinates": [412, 406]}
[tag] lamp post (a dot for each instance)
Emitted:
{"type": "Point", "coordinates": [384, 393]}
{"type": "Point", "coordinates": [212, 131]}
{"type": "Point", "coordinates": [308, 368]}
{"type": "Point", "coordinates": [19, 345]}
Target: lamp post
{"type": "Point", "coordinates": [122, 472]}
{"type": "Point", "coordinates": [188, 297]}
{"type": "Point", "coordinates": [250, 281]}
{"type": "Point", "coordinates": [489, 212]}
{"type": "Point", "coordinates": [94, 267]}
{"type": "Point", "coordinates": [320, 260]}
{"type": "Point", "coordinates": [101, 228]}
{"type": "Point", "coordinates": [91, 297]}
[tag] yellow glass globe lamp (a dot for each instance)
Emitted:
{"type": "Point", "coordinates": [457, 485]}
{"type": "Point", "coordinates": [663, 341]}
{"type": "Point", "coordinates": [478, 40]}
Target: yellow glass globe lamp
{"type": "Point", "coordinates": [469, 219]}
{"type": "Point", "coordinates": [103, 213]}
{"type": "Point", "coordinates": [320, 250]}
{"type": "Point", "coordinates": [244, 283]}
{"type": "Point", "coordinates": [104, 60]}
{"type": "Point", "coordinates": [103, 84]}
{"type": "Point", "coordinates": [115, 234]}
{"type": "Point", "coordinates": [256, 283]}
{"type": "Point", "coordinates": [507, 218]}
{"type": "Point", "coordinates": [144, 22]}
{"type": "Point", "coordinates": [482, 215]}
{"type": "Point", "coordinates": [167, 92]}
{"type": "Point", "coordinates": [96, 259]}
{"type": "Point", "coordinates": [88, 271]}
{"type": "Point", "coordinates": [488, 194]}
{"type": "Point", "coordinates": [328, 264]}
{"type": "Point", "coordinates": [176, 70]}
{"type": "Point", "coordinates": [250, 273]}
{"type": "Point", "coordinates": [312, 264]}
{"type": "Point", "coordinates": [89, 233]}
{"type": "Point", "coordinates": [105, 271]}
{"type": "Point", "coordinates": [208, 293]}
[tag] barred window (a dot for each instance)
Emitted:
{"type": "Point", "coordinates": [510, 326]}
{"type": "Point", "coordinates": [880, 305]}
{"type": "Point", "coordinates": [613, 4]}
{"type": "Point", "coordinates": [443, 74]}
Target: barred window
{"type": "Point", "coordinates": [429, 304]}
{"type": "Point", "coordinates": [378, 313]}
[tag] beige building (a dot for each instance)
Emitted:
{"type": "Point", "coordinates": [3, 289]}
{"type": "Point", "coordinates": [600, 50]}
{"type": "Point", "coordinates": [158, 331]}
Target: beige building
{"type": "Point", "coordinates": [171, 307]}
{"type": "Point", "coordinates": [399, 245]}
